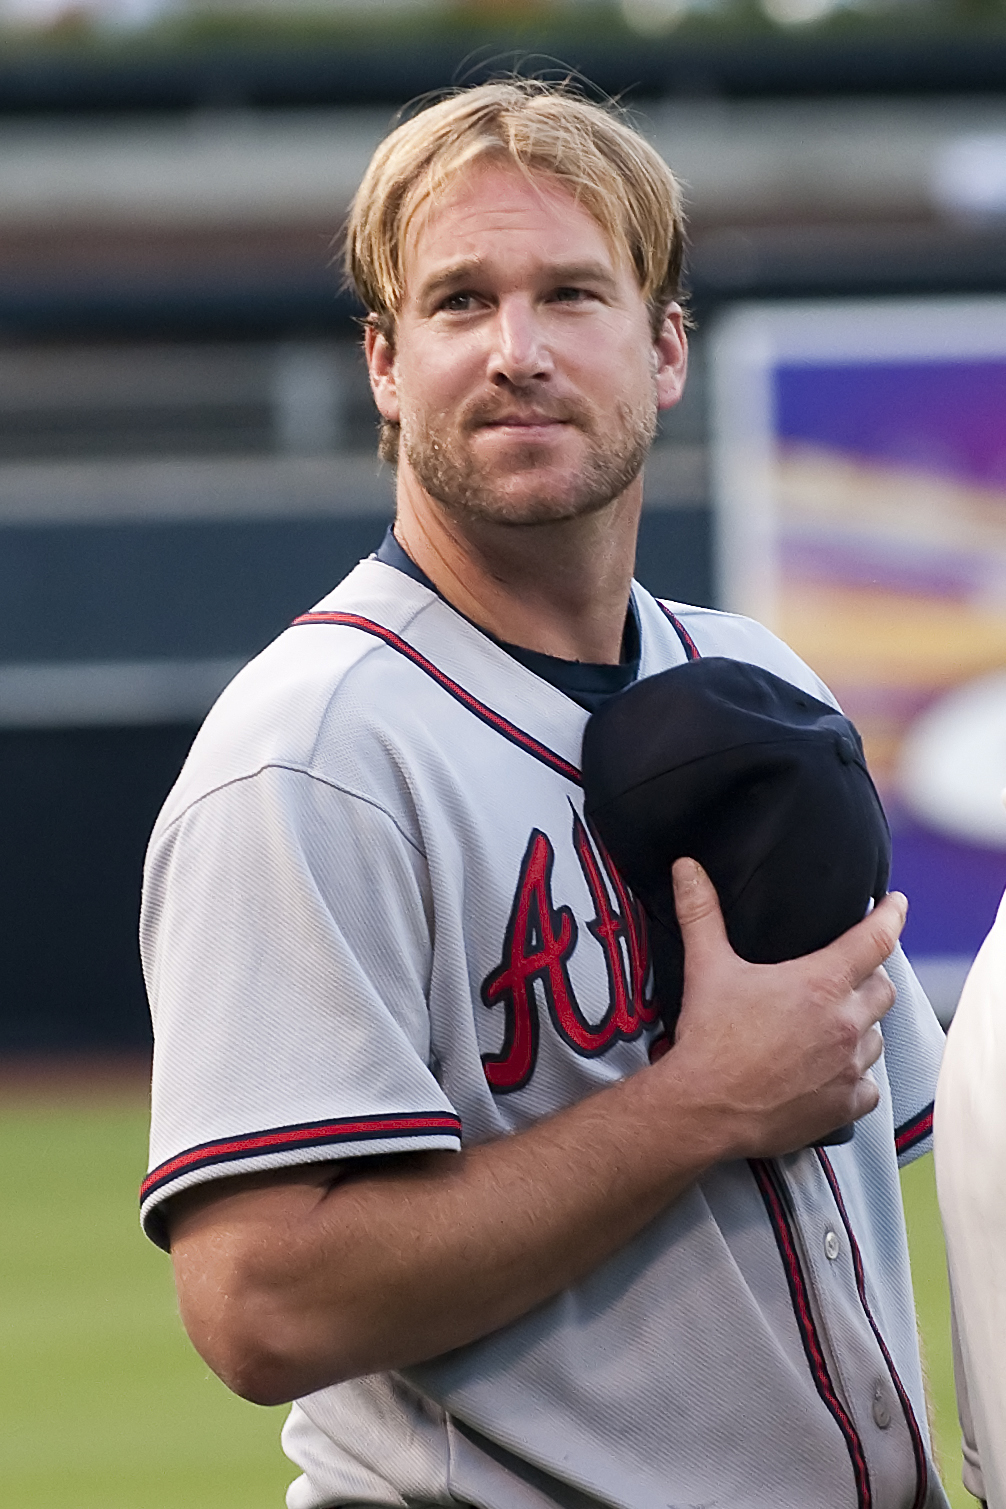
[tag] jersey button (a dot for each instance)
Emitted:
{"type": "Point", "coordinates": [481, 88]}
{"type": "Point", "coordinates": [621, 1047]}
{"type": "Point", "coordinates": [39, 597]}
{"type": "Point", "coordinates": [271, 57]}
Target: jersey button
{"type": "Point", "coordinates": [832, 1246]}
{"type": "Point", "coordinates": [881, 1413]}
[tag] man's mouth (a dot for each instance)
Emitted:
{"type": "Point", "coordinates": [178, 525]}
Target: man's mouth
{"type": "Point", "coordinates": [520, 422]}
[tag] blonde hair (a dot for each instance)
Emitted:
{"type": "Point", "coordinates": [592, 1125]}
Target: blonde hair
{"type": "Point", "coordinates": [591, 149]}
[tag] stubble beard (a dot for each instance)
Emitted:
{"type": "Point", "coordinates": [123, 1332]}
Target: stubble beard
{"type": "Point", "coordinates": [450, 471]}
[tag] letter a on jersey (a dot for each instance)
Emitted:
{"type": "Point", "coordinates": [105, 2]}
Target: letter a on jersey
{"type": "Point", "coordinates": [539, 941]}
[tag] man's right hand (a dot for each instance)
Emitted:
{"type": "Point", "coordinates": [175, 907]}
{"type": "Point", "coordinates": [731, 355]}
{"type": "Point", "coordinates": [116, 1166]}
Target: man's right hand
{"type": "Point", "coordinates": [778, 1054]}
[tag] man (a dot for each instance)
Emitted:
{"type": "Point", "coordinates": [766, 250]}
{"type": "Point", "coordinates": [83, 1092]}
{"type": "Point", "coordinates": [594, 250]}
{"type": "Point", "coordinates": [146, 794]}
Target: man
{"type": "Point", "coordinates": [411, 1156]}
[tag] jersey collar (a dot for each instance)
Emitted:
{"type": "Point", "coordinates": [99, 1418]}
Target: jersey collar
{"type": "Point", "coordinates": [587, 684]}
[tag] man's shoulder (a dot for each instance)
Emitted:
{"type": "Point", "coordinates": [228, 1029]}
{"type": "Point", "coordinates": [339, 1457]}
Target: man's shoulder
{"type": "Point", "coordinates": [373, 590]}
{"type": "Point", "coordinates": [285, 693]}
{"type": "Point", "coordinates": [272, 715]}
{"type": "Point", "coordinates": [715, 632]}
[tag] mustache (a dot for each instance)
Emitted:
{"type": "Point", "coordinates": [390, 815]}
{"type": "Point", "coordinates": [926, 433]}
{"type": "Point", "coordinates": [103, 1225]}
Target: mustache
{"type": "Point", "coordinates": [482, 412]}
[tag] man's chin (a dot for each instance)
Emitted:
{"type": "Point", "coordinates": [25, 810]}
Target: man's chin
{"type": "Point", "coordinates": [541, 504]}
{"type": "Point", "coordinates": [526, 487]}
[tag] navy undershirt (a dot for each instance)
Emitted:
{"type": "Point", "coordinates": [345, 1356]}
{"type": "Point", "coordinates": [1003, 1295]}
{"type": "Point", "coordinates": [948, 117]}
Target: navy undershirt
{"type": "Point", "coordinates": [586, 684]}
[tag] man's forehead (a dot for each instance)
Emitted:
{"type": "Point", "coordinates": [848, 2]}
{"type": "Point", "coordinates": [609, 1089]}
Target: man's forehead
{"type": "Point", "coordinates": [457, 226]}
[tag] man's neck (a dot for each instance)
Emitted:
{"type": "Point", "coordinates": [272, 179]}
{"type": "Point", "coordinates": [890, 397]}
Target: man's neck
{"type": "Point", "coordinates": [561, 589]}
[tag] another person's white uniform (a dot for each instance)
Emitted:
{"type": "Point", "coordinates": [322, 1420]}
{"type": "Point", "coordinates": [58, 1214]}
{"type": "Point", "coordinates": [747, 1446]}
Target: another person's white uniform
{"type": "Point", "coordinates": [970, 1152]}
{"type": "Point", "coordinates": [375, 923]}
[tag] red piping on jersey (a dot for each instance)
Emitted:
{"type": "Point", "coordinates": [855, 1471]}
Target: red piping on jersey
{"type": "Point", "coordinates": [914, 1131]}
{"type": "Point", "coordinates": [495, 720]}
{"type": "Point", "coordinates": [305, 1134]}
{"type": "Point", "coordinates": [922, 1471]}
{"type": "Point", "coordinates": [765, 1178]}
{"type": "Point", "coordinates": [687, 642]}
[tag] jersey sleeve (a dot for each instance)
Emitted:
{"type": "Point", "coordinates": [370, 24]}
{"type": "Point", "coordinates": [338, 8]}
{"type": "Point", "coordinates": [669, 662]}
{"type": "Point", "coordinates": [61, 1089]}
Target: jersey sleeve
{"type": "Point", "coordinates": [913, 1049]}
{"type": "Point", "coordinates": [286, 942]}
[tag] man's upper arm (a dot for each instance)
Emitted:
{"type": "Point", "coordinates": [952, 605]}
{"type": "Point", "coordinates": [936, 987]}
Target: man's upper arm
{"type": "Point", "coordinates": [286, 949]}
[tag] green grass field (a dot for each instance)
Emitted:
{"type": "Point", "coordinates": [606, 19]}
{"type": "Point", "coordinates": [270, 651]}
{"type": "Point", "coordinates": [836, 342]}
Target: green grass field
{"type": "Point", "coordinates": [104, 1404]}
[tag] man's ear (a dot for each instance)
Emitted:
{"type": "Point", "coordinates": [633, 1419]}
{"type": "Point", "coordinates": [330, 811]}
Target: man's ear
{"type": "Point", "coordinates": [380, 354]}
{"type": "Point", "coordinates": [671, 357]}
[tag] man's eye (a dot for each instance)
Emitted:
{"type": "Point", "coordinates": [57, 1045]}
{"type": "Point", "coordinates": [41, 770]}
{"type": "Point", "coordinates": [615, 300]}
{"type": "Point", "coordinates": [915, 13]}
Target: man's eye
{"type": "Point", "coordinates": [571, 295]}
{"type": "Point", "coordinates": [458, 302]}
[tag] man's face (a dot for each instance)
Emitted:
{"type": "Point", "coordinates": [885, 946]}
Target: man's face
{"type": "Point", "coordinates": [524, 373]}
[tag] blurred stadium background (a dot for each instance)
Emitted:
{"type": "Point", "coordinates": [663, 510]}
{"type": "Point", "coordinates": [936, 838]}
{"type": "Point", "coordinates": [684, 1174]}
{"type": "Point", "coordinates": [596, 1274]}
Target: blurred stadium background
{"type": "Point", "coordinates": [186, 462]}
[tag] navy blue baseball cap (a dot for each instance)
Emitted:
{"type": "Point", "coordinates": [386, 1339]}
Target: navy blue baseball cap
{"type": "Point", "coordinates": [765, 785]}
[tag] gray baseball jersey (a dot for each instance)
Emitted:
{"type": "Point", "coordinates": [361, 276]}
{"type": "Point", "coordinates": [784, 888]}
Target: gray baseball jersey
{"type": "Point", "coordinates": [375, 921]}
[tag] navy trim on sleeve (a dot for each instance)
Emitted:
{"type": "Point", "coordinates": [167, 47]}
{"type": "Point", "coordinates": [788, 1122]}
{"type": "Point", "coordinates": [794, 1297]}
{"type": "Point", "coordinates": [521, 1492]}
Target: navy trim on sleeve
{"type": "Point", "coordinates": [914, 1131]}
{"type": "Point", "coordinates": [331, 1133]}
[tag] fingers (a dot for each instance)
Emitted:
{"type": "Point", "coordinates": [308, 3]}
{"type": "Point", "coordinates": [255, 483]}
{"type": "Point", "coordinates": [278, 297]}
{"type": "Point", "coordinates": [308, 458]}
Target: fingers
{"type": "Point", "coordinates": [876, 993]}
{"type": "Point", "coordinates": [864, 947]}
{"type": "Point", "coordinates": [871, 1046]}
{"type": "Point", "coordinates": [698, 909]}
{"type": "Point", "coordinates": [866, 1094]}
{"type": "Point", "coordinates": [866, 1099]}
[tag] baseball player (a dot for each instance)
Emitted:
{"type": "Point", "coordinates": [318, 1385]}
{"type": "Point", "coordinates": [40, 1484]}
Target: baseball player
{"type": "Point", "coordinates": [425, 1161]}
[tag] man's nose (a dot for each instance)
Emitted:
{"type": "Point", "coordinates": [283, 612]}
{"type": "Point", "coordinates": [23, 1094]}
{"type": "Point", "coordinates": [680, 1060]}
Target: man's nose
{"type": "Point", "coordinates": [520, 353]}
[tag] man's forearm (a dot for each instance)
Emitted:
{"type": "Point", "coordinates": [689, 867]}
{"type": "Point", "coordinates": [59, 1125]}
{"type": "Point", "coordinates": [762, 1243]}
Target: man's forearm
{"type": "Point", "coordinates": [292, 1281]}
{"type": "Point", "coordinates": [394, 1266]}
